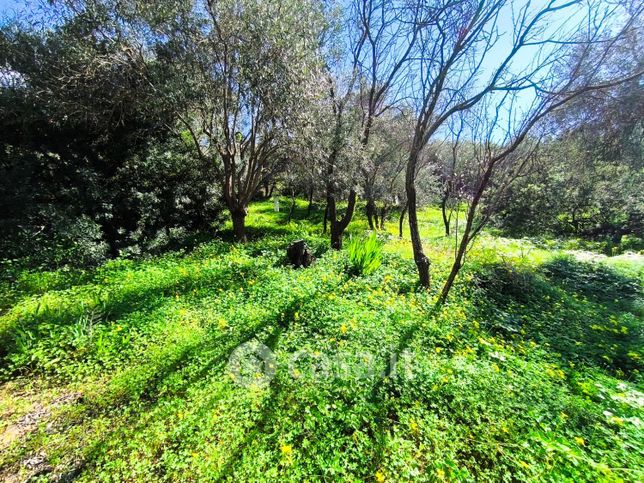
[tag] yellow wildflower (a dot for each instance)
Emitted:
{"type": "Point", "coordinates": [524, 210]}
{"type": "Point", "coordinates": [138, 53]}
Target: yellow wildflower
{"type": "Point", "coordinates": [616, 420]}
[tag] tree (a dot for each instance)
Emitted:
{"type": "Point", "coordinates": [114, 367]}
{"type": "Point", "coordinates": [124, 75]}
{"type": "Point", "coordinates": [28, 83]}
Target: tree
{"type": "Point", "coordinates": [383, 166]}
{"type": "Point", "coordinates": [244, 71]}
{"type": "Point", "coordinates": [342, 158]}
{"type": "Point", "coordinates": [591, 166]}
{"type": "Point", "coordinates": [497, 159]}
{"type": "Point", "coordinates": [503, 150]}
{"type": "Point", "coordinates": [387, 35]}
{"type": "Point", "coordinates": [459, 62]}
{"type": "Point", "coordinates": [81, 126]}
{"type": "Point", "coordinates": [380, 36]}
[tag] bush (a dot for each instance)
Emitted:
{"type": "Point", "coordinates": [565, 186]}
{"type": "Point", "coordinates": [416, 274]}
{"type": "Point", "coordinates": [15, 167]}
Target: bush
{"type": "Point", "coordinates": [365, 255]}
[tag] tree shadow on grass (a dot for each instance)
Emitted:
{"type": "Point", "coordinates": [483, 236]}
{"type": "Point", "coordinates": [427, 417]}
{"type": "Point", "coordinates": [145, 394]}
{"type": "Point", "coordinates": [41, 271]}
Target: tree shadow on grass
{"type": "Point", "coordinates": [118, 305]}
{"type": "Point", "coordinates": [580, 311]}
{"type": "Point", "coordinates": [595, 281]}
{"type": "Point", "coordinates": [206, 356]}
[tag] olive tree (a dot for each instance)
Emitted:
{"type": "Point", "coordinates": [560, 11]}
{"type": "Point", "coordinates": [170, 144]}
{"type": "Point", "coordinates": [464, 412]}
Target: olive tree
{"type": "Point", "coordinates": [243, 73]}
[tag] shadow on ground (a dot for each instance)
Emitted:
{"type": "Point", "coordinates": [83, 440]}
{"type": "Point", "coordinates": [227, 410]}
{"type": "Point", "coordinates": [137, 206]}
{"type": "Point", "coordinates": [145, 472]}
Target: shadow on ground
{"type": "Point", "coordinates": [581, 311]}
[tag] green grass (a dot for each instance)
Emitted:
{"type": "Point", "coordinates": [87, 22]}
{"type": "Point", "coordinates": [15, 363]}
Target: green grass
{"type": "Point", "coordinates": [531, 371]}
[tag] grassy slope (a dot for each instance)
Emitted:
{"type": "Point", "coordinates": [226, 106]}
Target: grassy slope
{"type": "Point", "coordinates": [530, 372]}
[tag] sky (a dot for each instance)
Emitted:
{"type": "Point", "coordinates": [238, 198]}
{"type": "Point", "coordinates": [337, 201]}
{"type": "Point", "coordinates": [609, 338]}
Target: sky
{"type": "Point", "coordinates": [8, 5]}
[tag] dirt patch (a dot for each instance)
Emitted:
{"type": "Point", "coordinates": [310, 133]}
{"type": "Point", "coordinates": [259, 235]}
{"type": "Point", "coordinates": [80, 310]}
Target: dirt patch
{"type": "Point", "coordinates": [29, 422]}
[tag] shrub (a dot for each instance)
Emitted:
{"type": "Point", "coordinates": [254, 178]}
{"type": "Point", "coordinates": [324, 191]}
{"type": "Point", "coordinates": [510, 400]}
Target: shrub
{"type": "Point", "coordinates": [365, 255]}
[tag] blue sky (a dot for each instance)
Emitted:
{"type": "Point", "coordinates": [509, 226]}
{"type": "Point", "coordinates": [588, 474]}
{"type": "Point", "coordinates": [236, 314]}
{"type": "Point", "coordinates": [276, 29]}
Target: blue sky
{"type": "Point", "coordinates": [8, 5]}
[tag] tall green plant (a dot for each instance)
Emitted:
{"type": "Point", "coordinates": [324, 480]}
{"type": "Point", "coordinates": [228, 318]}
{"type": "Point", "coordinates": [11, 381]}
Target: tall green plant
{"type": "Point", "coordinates": [365, 255]}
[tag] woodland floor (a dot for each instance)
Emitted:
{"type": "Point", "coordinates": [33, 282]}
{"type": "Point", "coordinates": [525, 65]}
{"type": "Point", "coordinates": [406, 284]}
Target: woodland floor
{"type": "Point", "coordinates": [530, 372]}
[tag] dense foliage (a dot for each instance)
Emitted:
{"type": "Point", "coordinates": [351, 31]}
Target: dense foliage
{"type": "Point", "coordinates": [587, 181]}
{"type": "Point", "coordinates": [531, 371]}
{"type": "Point", "coordinates": [152, 326]}
{"type": "Point", "coordinates": [89, 168]}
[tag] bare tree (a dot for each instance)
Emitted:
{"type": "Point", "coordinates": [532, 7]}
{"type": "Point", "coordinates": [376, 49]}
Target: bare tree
{"type": "Point", "coordinates": [390, 31]}
{"type": "Point", "coordinates": [384, 164]}
{"type": "Point", "coordinates": [496, 159]}
{"type": "Point", "coordinates": [382, 35]}
{"type": "Point", "coordinates": [463, 57]}
{"type": "Point", "coordinates": [502, 147]}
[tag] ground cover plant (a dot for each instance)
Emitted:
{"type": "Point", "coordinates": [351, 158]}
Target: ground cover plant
{"type": "Point", "coordinates": [531, 371]}
{"type": "Point", "coordinates": [338, 240]}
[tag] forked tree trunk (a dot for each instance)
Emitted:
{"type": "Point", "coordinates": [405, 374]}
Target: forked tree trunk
{"type": "Point", "coordinates": [422, 262]}
{"type": "Point", "coordinates": [338, 226]}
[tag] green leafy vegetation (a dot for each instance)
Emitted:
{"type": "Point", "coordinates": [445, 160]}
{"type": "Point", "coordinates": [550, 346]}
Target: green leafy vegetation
{"type": "Point", "coordinates": [162, 320]}
{"type": "Point", "coordinates": [531, 371]}
{"type": "Point", "coordinates": [365, 254]}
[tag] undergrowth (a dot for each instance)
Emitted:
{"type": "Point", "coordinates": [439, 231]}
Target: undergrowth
{"type": "Point", "coordinates": [530, 372]}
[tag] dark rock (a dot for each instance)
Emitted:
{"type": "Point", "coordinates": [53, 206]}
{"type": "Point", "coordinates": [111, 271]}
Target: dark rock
{"type": "Point", "coordinates": [299, 254]}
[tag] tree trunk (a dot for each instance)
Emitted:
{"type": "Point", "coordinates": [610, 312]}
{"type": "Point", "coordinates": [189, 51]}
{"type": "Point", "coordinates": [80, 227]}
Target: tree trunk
{"type": "Point", "coordinates": [310, 207]}
{"type": "Point", "coordinates": [446, 219]}
{"type": "Point", "coordinates": [239, 223]}
{"type": "Point", "coordinates": [336, 235]}
{"type": "Point", "coordinates": [469, 233]}
{"type": "Point", "coordinates": [292, 208]}
{"type": "Point", "coordinates": [450, 281]}
{"type": "Point", "coordinates": [371, 211]}
{"type": "Point", "coordinates": [383, 217]}
{"type": "Point", "coordinates": [338, 226]}
{"type": "Point", "coordinates": [326, 218]}
{"type": "Point", "coordinates": [270, 191]}
{"type": "Point", "coordinates": [401, 220]}
{"type": "Point", "coordinates": [265, 192]}
{"type": "Point", "coordinates": [458, 260]}
{"type": "Point", "coordinates": [422, 262]}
